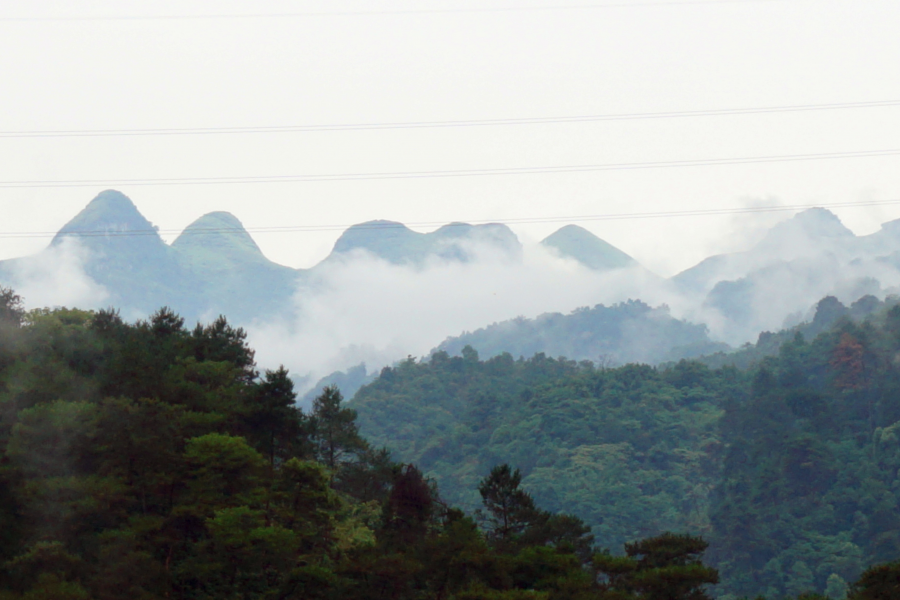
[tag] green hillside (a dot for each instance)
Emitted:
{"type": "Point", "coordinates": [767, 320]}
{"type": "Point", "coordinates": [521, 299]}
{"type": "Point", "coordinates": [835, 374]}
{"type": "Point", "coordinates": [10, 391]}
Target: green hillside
{"type": "Point", "coordinates": [789, 466]}
{"type": "Point", "coordinates": [151, 461]}
{"type": "Point", "coordinates": [628, 449]}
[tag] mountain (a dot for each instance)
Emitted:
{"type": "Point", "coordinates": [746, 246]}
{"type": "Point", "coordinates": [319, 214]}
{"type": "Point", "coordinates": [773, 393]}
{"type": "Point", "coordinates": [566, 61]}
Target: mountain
{"type": "Point", "coordinates": [231, 272]}
{"type": "Point", "coordinates": [803, 258]}
{"type": "Point", "coordinates": [110, 254]}
{"type": "Point", "coordinates": [580, 244]}
{"type": "Point", "coordinates": [213, 267]}
{"type": "Point", "coordinates": [398, 244]}
{"type": "Point", "coordinates": [348, 381]}
{"type": "Point", "coordinates": [810, 233]}
{"type": "Point", "coordinates": [787, 465]}
{"type": "Point", "coordinates": [629, 332]}
{"type": "Point", "coordinates": [119, 250]}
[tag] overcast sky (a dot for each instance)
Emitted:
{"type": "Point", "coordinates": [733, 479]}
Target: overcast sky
{"type": "Point", "coordinates": [78, 65]}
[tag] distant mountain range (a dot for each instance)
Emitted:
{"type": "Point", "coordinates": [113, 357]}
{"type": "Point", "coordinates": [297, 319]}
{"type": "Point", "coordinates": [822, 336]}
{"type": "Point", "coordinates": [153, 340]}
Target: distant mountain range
{"type": "Point", "coordinates": [800, 260]}
{"type": "Point", "coordinates": [214, 267]}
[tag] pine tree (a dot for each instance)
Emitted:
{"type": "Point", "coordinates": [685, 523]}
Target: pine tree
{"type": "Point", "coordinates": [333, 430]}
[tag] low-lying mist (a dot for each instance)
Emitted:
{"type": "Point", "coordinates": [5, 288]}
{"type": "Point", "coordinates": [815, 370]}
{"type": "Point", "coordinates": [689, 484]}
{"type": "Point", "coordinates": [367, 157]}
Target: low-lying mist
{"type": "Point", "coordinates": [365, 309]}
{"type": "Point", "coordinates": [357, 308]}
{"type": "Point", "coordinates": [56, 277]}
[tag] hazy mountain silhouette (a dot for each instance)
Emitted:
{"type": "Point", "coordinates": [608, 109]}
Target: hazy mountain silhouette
{"type": "Point", "coordinates": [230, 271]}
{"type": "Point", "coordinates": [199, 276]}
{"type": "Point", "coordinates": [580, 244]}
{"type": "Point", "coordinates": [808, 256]}
{"type": "Point", "coordinates": [627, 332]}
{"type": "Point", "coordinates": [122, 252]}
{"type": "Point", "coordinates": [215, 267]}
{"type": "Point", "coordinates": [809, 233]}
{"type": "Point", "coordinates": [398, 244]}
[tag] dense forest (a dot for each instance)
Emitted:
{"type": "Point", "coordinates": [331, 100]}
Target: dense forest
{"type": "Point", "coordinates": [149, 460]}
{"type": "Point", "coordinates": [788, 467]}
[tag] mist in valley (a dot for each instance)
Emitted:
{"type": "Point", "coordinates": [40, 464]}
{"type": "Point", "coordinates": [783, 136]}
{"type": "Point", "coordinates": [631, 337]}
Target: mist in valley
{"type": "Point", "coordinates": [386, 292]}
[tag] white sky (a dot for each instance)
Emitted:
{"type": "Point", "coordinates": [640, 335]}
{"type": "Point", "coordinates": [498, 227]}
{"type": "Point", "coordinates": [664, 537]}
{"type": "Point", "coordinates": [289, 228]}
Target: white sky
{"type": "Point", "coordinates": [559, 61]}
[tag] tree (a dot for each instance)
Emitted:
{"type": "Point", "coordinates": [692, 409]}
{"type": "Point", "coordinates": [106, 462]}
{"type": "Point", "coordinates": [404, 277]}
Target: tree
{"type": "Point", "coordinates": [224, 472]}
{"type": "Point", "coordinates": [564, 532]}
{"type": "Point", "coordinates": [410, 508]}
{"type": "Point", "coordinates": [274, 420]}
{"type": "Point", "coordinates": [12, 310]}
{"type": "Point", "coordinates": [510, 510]}
{"type": "Point", "coordinates": [220, 341]}
{"type": "Point", "coordinates": [333, 430]}
{"type": "Point", "coordinates": [664, 567]}
{"type": "Point", "coordinates": [848, 362]}
{"type": "Point", "coordinates": [881, 582]}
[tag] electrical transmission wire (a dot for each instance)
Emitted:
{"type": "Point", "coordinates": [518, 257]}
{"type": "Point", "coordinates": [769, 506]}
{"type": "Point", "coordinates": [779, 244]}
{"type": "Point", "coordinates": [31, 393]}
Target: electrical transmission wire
{"type": "Point", "coordinates": [449, 173]}
{"type": "Point", "coordinates": [428, 224]}
{"type": "Point", "coordinates": [444, 124]}
{"type": "Point", "coordinates": [378, 13]}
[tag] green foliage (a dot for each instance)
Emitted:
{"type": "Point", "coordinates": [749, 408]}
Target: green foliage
{"type": "Point", "coordinates": [333, 430]}
{"type": "Point", "coordinates": [12, 311]}
{"type": "Point", "coordinates": [144, 461]}
{"type": "Point", "coordinates": [789, 466]}
{"type": "Point", "coordinates": [877, 583]}
{"type": "Point", "coordinates": [149, 461]}
{"type": "Point", "coordinates": [632, 451]}
{"type": "Point", "coordinates": [665, 567]}
{"type": "Point", "coordinates": [510, 510]}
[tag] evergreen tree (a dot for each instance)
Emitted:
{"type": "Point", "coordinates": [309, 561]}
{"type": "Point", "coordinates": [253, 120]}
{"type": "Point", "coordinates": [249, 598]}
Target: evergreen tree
{"type": "Point", "coordinates": [333, 430]}
{"type": "Point", "coordinates": [510, 510]}
{"type": "Point", "coordinates": [664, 567]}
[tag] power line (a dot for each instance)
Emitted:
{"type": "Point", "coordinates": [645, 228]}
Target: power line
{"type": "Point", "coordinates": [427, 224]}
{"type": "Point", "coordinates": [449, 173]}
{"type": "Point", "coordinates": [376, 13]}
{"type": "Point", "coordinates": [439, 124]}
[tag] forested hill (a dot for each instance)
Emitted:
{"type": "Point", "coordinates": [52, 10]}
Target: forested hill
{"type": "Point", "coordinates": [622, 333]}
{"type": "Point", "coordinates": [147, 460]}
{"type": "Point", "coordinates": [789, 467]}
{"type": "Point", "coordinates": [626, 449]}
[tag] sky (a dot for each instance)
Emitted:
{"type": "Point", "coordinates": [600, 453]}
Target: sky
{"type": "Point", "coordinates": [102, 66]}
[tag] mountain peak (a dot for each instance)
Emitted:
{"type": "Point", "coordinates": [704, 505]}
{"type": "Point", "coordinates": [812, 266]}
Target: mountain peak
{"type": "Point", "coordinates": [449, 240]}
{"type": "Point", "coordinates": [580, 244]}
{"type": "Point", "coordinates": [397, 243]}
{"type": "Point", "coordinates": [111, 213]}
{"type": "Point", "coordinates": [112, 201]}
{"type": "Point", "coordinates": [388, 239]}
{"type": "Point", "coordinates": [813, 223]}
{"type": "Point", "coordinates": [217, 234]}
{"type": "Point", "coordinates": [891, 227]}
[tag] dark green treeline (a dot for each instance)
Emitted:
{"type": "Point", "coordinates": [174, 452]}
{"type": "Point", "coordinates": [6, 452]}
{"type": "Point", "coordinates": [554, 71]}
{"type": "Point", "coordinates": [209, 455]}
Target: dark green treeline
{"type": "Point", "coordinates": [789, 467]}
{"type": "Point", "coordinates": [151, 461]}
